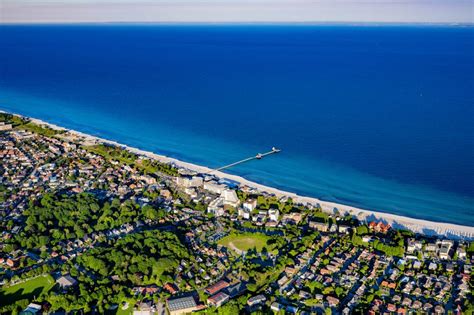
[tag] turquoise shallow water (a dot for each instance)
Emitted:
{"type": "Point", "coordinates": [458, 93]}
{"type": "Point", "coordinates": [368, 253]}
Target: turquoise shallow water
{"type": "Point", "coordinates": [379, 118]}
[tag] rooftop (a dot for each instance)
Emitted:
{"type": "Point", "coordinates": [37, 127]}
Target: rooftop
{"type": "Point", "coordinates": [181, 303]}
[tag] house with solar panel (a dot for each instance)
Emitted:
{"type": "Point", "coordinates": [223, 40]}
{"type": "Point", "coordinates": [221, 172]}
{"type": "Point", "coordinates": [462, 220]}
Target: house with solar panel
{"type": "Point", "coordinates": [182, 305]}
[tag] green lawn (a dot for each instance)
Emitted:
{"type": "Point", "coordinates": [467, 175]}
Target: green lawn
{"type": "Point", "coordinates": [128, 311]}
{"type": "Point", "coordinates": [245, 241]}
{"type": "Point", "coordinates": [26, 290]}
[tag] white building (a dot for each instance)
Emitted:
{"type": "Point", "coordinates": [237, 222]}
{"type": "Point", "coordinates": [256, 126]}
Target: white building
{"type": "Point", "coordinates": [216, 207]}
{"type": "Point", "coordinates": [214, 187]}
{"type": "Point", "coordinates": [320, 226]}
{"type": "Point", "coordinates": [191, 192]}
{"type": "Point", "coordinates": [444, 252]}
{"type": "Point", "coordinates": [445, 248]}
{"type": "Point", "coordinates": [230, 198]}
{"type": "Point", "coordinates": [273, 214]}
{"type": "Point", "coordinates": [430, 247]}
{"type": "Point", "coordinates": [244, 213]}
{"type": "Point", "coordinates": [461, 251]}
{"type": "Point", "coordinates": [413, 245]}
{"type": "Point", "coordinates": [250, 204]}
{"type": "Point", "coordinates": [344, 229]}
{"type": "Point", "coordinates": [189, 182]}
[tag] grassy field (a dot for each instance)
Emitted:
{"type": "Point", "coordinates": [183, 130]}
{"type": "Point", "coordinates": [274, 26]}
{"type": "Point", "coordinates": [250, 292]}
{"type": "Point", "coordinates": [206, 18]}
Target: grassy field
{"type": "Point", "coordinates": [26, 290]}
{"type": "Point", "coordinates": [128, 311]}
{"type": "Point", "coordinates": [245, 241]}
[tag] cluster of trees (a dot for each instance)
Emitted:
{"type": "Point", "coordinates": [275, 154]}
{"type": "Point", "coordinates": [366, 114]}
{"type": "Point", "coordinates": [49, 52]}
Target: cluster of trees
{"type": "Point", "coordinates": [149, 257]}
{"type": "Point", "coordinates": [393, 245]}
{"type": "Point", "coordinates": [110, 152]}
{"type": "Point", "coordinates": [260, 275]}
{"type": "Point", "coordinates": [470, 249]}
{"type": "Point", "coordinates": [61, 217]}
{"type": "Point", "coordinates": [41, 130]}
{"type": "Point", "coordinates": [11, 119]}
{"type": "Point", "coordinates": [260, 272]}
{"type": "Point", "coordinates": [26, 124]}
{"type": "Point", "coordinates": [54, 218]}
{"type": "Point", "coordinates": [316, 287]}
{"type": "Point", "coordinates": [144, 258]}
{"type": "Point", "coordinates": [4, 193]}
{"type": "Point", "coordinates": [230, 308]}
{"type": "Point", "coordinates": [266, 203]}
{"type": "Point", "coordinates": [320, 217]}
{"type": "Point", "coordinates": [299, 244]}
{"type": "Point", "coordinates": [89, 296]}
{"type": "Point", "coordinates": [14, 308]}
{"type": "Point", "coordinates": [388, 249]}
{"type": "Point", "coordinates": [151, 166]}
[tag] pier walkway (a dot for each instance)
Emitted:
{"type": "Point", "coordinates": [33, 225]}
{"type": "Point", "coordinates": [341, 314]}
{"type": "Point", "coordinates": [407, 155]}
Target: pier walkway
{"type": "Point", "coordinates": [259, 156]}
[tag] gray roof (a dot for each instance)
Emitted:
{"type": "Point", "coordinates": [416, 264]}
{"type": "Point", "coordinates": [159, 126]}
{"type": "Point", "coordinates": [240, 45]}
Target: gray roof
{"type": "Point", "coordinates": [66, 281]}
{"type": "Point", "coordinates": [181, 303]}
{"type": "Point", "coordinates": [256, 298]}
{"type": "Point", "coordinates": [236, 289]}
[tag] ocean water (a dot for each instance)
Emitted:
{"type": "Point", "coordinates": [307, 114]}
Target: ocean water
{"type": "Point", "coordinates": [375, 117]}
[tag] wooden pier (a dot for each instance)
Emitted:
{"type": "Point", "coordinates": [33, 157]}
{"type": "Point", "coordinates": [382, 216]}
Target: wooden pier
{"type": "Point", "coordinates": [259, 156]}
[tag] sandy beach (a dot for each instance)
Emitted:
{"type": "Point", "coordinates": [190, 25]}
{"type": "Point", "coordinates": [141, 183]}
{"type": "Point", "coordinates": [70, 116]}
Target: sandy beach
{"type": "Point", "coordinates": [416, 225]}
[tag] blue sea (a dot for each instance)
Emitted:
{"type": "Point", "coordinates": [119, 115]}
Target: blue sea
{"type": "Point", "coordinates": [378, 117]}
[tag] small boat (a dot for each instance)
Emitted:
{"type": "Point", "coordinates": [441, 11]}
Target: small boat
{"type": "Point", "coordinates": [275, 150]}
{"type": "Point", "coordinates": [258, 156]}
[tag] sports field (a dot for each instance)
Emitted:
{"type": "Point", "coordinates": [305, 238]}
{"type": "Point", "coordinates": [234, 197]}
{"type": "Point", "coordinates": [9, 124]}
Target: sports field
{"type": "Point", "coordinates": [245, 241]}
{"type": "Point", "coordinates": [26, 290]}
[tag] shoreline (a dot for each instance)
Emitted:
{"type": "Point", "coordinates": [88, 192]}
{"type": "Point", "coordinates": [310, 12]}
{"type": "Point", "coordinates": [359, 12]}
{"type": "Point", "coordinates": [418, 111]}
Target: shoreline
{"type": "Point", "coordinates": [425, 227]}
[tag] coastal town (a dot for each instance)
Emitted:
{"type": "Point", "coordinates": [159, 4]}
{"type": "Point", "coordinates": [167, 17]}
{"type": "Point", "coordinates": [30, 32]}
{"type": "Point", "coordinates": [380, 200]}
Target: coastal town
{"type": "Point", "coordinates": [91, 227]}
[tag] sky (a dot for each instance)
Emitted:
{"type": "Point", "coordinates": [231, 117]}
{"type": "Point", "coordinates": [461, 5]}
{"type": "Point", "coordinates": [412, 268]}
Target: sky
{"type": "Point", "coordinates": [234, 11]}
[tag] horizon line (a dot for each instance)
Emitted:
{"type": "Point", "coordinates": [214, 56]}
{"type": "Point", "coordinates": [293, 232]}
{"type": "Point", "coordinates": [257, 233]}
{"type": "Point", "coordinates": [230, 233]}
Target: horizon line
{"type": "Point", "coordinates": [237, 23]}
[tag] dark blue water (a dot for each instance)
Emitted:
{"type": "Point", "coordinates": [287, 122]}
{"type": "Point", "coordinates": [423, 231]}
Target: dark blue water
{"type": "Point", "coordinates": [375, 117]}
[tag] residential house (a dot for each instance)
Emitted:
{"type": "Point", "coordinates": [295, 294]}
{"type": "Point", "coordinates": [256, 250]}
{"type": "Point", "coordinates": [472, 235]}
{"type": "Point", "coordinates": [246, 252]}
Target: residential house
{"type": "Point", "coordinates": [220, 285]}
{"type": "Point", "coordinates": [216, 207]}
{"type": "Point", "coordinates": [66, 281]}
{"type": "Point", "coordinates": [218, 299]}
{"type": "Point", "coordinates": [255, 300]}
{"type": "Point", "coordinates": [32, 309]}
{"type": "Point", "coordinates": [320, 226]}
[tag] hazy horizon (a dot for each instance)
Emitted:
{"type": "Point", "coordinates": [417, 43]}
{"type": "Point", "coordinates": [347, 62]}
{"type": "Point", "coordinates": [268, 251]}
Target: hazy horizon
{"type": "Point", "coordinates": [237, 11]}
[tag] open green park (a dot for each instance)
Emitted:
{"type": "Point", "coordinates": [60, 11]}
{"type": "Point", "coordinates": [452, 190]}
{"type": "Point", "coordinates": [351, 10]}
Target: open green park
{"type": "Point", "coordinates": [240, 242]}
{"type": "Point", "coordinates": [28, 289]}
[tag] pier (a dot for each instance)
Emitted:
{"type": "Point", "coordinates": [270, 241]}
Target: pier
{"type": "Point", "coordinates": [259, 156]}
